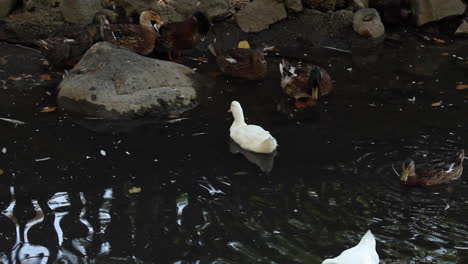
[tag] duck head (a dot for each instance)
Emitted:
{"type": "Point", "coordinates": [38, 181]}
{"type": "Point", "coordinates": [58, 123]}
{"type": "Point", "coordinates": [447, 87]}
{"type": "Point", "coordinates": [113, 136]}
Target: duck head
{"type": "Point", "coordinates": [408, 170]}
{"type": "Point", "coordinates": [147, 16]}
{"type": "Point", "coordinates": [288, 72]}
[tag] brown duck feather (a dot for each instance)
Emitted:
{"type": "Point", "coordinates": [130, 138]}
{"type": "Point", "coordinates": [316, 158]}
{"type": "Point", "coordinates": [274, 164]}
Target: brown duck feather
{"type": "Point", "coordinates": [243, 63]}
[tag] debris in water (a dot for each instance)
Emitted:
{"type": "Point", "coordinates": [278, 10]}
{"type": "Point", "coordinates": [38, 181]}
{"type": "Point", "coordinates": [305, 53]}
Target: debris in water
{"type": "Point", "coordinates": [437, 104]}
{"type": "Point", "coordinates": [134, 190]}
{"type": "Point", "coordinates": [103, 153]}
{"type": "Point", "coordinates": [42, 159]}
{"type": "Point", "coordinates": [243, 44]}
{"type": "Point", "coordinates": [4, 150]}
{"type": "Point", "coordinates": [45, 77]}
{"type": "Point", "coordinates": [1, 172]}
{"type": "Point", "coordinates": [16, 122]}
{"type": "Point", "coordinates": [439, 41]}
{"type": "Point", "coordinates": [461, 86]}
{"type": "Point", "coordinates": [48, 109]}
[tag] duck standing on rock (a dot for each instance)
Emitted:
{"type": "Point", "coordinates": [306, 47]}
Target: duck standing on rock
{"type": "Point", "coordinates": [250, 137]}
{"type": "Point", "coordinates": [243, 63]}
{"type": "Point", "coordinates": [138, 38]}
{"type": "Point", "coordinates": [434, 173]}
{"type": "Point", "coordinates": [305, 84]}
{"type": "Point", "coordinates": [65, 48]}
{"type": "Point", "coordinates": [185, 34]}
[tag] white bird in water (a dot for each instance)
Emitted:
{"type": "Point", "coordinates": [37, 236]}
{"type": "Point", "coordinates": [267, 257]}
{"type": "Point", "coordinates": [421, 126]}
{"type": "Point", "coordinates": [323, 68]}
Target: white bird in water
{"type": "Point", "coordinates": [362, 253]}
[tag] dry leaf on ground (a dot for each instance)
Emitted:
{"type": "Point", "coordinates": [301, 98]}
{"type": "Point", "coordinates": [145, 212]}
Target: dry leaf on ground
{"type": "Point", "coordinates": [48, 109]}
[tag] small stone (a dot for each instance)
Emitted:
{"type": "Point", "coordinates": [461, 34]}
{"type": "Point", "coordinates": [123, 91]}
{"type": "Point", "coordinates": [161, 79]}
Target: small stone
{"type": "Point", "coordinates": [294, 5]}
{"type": "Point", "coordinates": [259, 14]}
{"type": "Point", "coordinates": [463, 28]}
{"type": "Point", "coordinates": [367, 23]}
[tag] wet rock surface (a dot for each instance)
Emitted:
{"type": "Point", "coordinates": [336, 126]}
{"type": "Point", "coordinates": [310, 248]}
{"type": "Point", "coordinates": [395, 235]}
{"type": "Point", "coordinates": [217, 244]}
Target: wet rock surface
{"type": "Point", "coordinates": [79, 12]}
{"type": "Point", "coordinates": [114, 82]}
{"type": "Point", "coordinates": [426, 11]}
{"type": "Point", "coordinates": [6, 6]}
{"type": "Point", "coordinates": [260, 14]}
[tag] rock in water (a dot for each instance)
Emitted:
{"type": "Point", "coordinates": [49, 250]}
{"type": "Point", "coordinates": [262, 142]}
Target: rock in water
{"type": "Point", "coordinates": [463, 28]}
{"type": "Point", "coordinates": [113, 82]}
{"type": "Point", "coordinates": [259, 14]}
{"type": "Point", "coordinates": [425, 11]}
{"type": "Point", "coordinates": [321, 5]}
{"type": "Point", "coordinates": [367, 23]}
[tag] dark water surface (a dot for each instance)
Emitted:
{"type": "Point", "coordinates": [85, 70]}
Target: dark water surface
{"type": "Point", "coordinates": [177, 190]}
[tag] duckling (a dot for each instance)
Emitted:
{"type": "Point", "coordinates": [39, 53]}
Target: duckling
{"type": "Point", "coordinates": [430, 174]}
{"type": "Point", "coordinates": [250, 137]}
{"type": "Point", "coordinates": [138, 38]}
{"type": "Point", "coordinates": [363, 253]}
{"type": "Point", "coordinates": [305, 84]}
{"type": "Point", "coordinates": [65, 48]}
{"type": "Point", "coordinates": [243, 63]}
{"type": "Point", "coordinates": [185, 34]}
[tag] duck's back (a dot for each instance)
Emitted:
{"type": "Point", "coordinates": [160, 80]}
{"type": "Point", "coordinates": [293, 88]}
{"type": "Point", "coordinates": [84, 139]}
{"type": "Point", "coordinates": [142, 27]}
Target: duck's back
{"type": "Point", "coordinates": [250, 137]}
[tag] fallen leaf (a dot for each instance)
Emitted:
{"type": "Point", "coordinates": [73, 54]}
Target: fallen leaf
{"type": "Point", "coordinates": [439, 41]}
{"type": "Point", "coordinates": [461, 87]}
{"type": "Point", "coordinates": [14, 78]}
{"type": "Point", "coordinates": [243, 44]}
{"type": "Point", "coordinates": [45, 76]}
{"type": "Point", "coordinates": [437, 104]}
{"type": "Point", "coordinates": [201, 59]}
{"type": "Point", "coordinates": [214, 74]}
{"type": "Point", "coordinates": [445, 53]}
{"type": "Point", "coordinates": [134, 190]}
{"type": "Point", "coordinates": [173, 116]}
{"type": "Point", "coordinates": [1, 172]}
{"type": "Point", "coordinates": [48, 109]}
{"type": "Point", "coordinates": [45, 62]}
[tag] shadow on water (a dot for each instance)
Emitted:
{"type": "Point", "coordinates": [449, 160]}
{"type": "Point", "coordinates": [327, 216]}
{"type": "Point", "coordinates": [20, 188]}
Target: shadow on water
{"type": "Point", "coordinates": [178, 190]}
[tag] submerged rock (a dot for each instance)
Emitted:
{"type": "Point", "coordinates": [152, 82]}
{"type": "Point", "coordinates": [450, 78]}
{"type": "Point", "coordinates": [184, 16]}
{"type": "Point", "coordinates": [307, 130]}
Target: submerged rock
{"type": "Point", "coordinates": [113, 82]}
{"type": "Point", "coordinates": [259, 14]}
{"type": "Point", "coordinates": [367, 23]}
{"type": "Point", "coordinates": [425, 11]}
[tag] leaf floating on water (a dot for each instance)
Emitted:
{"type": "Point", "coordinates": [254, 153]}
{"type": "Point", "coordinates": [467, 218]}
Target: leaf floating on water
{"type": "Point", "coordinates": [13, 121]}
{"type": "Point", "coordinates": [45, 62]}
{"type": "Point", "coordinates": [173, 116]}
{"type": "Point", "coordinates": [45, 77]}
{"type": "Point", "coordinates": [439, 41]}
{"type": "Point", "coordinates": [103, 153]}
{"type": "Point", "coordinates": [22, 76]}
{"type": "Point", "coordinates": [134, 190]}
{"type": "Point", "coordinates": [445, 54]}
{"type": "Point", "coordinates": [1, 172]}
{"type": "Point", "coordinates": [437, 104]}
{"type": "Point", "coordinates": [461, 86]}
{"type": "Point", "coordinates": [243, 44]}
{"type": "Point", "coordinates": [201, 59]}
{"type": "Point", "coordinates": [48, 109]}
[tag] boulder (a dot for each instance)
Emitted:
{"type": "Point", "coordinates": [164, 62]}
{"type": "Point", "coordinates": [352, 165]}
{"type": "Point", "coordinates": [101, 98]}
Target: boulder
{"type": "Point", "coordinates": [463, 28]}
{"type": "Point", "coordinates": [113, 82]}
{"type": "Point", "coordinates": [6, 6]}
{"type": "Point", "coordinates": [79, 12]}
{"type": "Point", "coordinates": [367, 23]}
{"type": "Point", "coordinates": [321, 5]}
{"type": "Point", "coordinates": [294, 5]}
{"type": "Point", "coordinates": [260, 14]}
{"type": "Point", "coordinates": [425, 11]}
{"type": "Point", "coordinates": [212, 8]}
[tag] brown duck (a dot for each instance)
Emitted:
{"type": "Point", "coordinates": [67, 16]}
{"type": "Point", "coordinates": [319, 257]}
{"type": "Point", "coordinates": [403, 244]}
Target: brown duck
{"type": "Point", "coordinates": [434, 173]}
{"type": "Point", "coordinates": [138, 38]}
{"type": "Point", "coordinates": [185, 34]}
{"type": "Point", "coordinates": [242, 63]}
{"type": "Point", "coordinates": [305, 84]}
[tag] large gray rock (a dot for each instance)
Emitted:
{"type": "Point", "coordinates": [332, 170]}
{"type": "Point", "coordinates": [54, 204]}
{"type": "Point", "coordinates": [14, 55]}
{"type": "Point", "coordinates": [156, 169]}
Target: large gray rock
{"type": "Point", "coordinates": [212, 8]}
{"type": "Point", "coordinates": [79, 12]}
{"type": "Point", "coordinates": [113, 82]}
{"type": "Point", "coordinates": [294, 5]}
{"type": "Point", "coordinates": [367, 23]}
{"type": "Point", "coordinates": [259, 14]}
{"type": "Point", "coordinates": [463, 28]}
{"type": "Point", "coordinates": [425, 11]}
{"type": "Point", "coordinates": [6, 6]}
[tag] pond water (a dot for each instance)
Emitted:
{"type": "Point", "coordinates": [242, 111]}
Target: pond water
{"type": "Point", "coordinates": [80, 190]}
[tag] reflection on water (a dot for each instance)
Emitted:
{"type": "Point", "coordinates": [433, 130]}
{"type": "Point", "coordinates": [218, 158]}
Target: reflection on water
{"type": "Point", "coordinates": [175, 192]}
{"type": "Point", "coordinates": [263, 161]}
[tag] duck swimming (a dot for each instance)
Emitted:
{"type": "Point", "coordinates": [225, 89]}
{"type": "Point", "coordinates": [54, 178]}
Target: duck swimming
{"type": "Point", "coordinates": [138, 38]}
{"type": "Point", "coordinates": [243, 63]}
{"type": "Point", "coordinates": [185, 34]}
{"type": "Point", "coordinates": [432, 173]}
{"type": "Point", "coordinates": [305, 84]}
{"type": "Point", "coordinates": [363, 253]}
{"type": "Point", "coordinates": [250, 137]}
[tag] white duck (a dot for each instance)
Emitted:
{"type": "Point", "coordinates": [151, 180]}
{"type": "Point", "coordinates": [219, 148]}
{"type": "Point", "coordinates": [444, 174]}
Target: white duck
{"type": "Point", "coordinates": [362, 253]}
{"type": "Point", "coordinates": [250, 137]}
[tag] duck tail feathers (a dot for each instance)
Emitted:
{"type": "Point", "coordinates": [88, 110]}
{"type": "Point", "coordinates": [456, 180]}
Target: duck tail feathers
{"type": "Point", "coordinates": [269, 145]}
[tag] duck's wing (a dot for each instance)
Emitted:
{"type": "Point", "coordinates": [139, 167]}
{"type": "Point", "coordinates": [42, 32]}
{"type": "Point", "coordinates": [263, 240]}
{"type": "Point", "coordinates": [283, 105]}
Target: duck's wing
{"type": "Point", "coordinates": [249, 136]}
{"type": "Point", "coordinates": [132, 36]}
